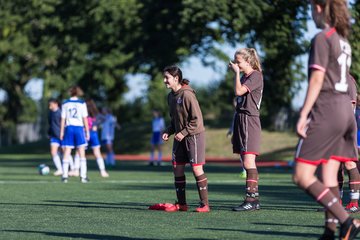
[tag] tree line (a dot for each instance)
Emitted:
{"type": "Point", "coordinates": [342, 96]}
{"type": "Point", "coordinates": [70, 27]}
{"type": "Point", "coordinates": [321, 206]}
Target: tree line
{"type": "Point", "coordinates": [97, 44]}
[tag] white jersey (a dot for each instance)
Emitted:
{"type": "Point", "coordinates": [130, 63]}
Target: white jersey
{"type": "Point", "coordinates": [108, 127]}
{"type": "Point", "coordinates": [73, 111]}
{"type": "Point", "coordinates": [158, 124]}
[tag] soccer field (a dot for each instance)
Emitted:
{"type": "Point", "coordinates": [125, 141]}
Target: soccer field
{"type": "Point", "coordinates": [41, 207]}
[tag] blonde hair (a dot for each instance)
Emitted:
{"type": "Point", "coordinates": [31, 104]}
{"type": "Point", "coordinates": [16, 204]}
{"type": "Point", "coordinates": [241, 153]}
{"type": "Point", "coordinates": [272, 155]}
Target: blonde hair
{"type": "Point", "coordinates": [250, 56]}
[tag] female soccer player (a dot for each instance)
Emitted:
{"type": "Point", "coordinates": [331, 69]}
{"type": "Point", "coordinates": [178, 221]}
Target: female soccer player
{"type": "Point", "coordinates": [247, 126]}
{"type": "Point", "coordinates": [326, 125]}
{"type": "Point", "coordinates": [73, 121]}
{"type": "Point", "coordinates": [108, 124]}
{"type": "Point", "coordinates": [54, 134]}
{"type": "Point", "coordinates": [94, 138]}
{"type": "Point", "coordinates": [189, 141]}
{"type": "Point", "coordinates": [158, 126]}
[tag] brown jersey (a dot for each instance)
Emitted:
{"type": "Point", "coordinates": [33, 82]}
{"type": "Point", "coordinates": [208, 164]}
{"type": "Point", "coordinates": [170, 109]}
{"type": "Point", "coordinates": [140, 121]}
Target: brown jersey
{"type": "Point", "coordinates": [249, 103]}
{"type": "Point", "coordinates": [331, 54]}
{"type": "Point", "coordinates": [331, 132]}
{"type": "Point", "coordinates": [185, 112]}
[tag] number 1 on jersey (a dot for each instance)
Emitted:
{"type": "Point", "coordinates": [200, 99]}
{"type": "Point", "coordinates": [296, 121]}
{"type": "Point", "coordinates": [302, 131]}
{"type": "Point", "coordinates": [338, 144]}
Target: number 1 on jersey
{"type": "Point", "coordinates": [344, 61]}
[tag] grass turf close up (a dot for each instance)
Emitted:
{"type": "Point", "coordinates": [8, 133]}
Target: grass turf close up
{"type": "Point", "coordinates": [41, 207]}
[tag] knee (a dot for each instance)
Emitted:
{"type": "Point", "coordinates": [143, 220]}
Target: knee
{"type": "Point", "coordinates": [198, 170]}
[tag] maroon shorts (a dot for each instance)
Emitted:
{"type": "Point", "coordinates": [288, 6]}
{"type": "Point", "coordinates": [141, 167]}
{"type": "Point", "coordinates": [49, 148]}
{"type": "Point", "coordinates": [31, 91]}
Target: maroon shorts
{"type": "Point", "coordinates": [190, 150]}
{"type": "Point", "coordinates": [247, 134]}
{"type": "Point", "coordinates": [331, 133]}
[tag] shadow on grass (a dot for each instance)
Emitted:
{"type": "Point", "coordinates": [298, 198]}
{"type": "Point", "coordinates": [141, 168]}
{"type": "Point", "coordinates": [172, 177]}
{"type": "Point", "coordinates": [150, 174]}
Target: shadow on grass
{"type": "Point", "coordinates": [77, 235]}
{"type": "Point", "coordinates": [86, 205]}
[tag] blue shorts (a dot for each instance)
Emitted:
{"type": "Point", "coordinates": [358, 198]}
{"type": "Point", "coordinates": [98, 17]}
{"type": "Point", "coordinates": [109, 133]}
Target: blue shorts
{"type": "Point", "coordinates": [94, 139]}
{"type": "Point", "coordinates": [55, 141]}
{"type": "Point", "coordinates": [156, 138]}
{"type": "Point", "coordinates": [106, 141]}
{"type": "Point", "coordinates": [358, 138]}
{"type": "Point", "coordinates": [74, 137]}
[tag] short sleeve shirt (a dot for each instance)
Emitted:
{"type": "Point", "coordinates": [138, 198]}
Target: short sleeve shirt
{"type": "Point", "coordinates": [331, 54]}
{"type": "Point", "coordinates": [73, 111]}
{"type": "Point", "coordinates": [249, 103]}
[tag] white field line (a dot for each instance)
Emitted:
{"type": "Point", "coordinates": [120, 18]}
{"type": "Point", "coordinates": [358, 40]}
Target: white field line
{"type": "Point", "coordinates": [129, 181]}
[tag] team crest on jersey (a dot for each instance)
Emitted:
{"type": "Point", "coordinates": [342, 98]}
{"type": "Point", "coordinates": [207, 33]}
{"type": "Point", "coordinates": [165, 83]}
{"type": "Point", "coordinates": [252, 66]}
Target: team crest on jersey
{"type": "Point", "coordinates": [179, 100]}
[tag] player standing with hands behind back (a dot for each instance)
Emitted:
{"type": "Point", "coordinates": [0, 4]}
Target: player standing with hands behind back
{"type": "Point", "coordinates": [247, 126]}
{"type": "Point", "coordinates": [189, 143]}
{"type": "Point", "coordinates": [326, 125]}
{"type": "Point", "coordinates": [73, 121]}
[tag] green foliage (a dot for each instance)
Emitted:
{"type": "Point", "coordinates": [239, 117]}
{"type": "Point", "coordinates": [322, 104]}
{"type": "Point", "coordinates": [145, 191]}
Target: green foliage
{"type": "Point", "coordinates": [97, 43]}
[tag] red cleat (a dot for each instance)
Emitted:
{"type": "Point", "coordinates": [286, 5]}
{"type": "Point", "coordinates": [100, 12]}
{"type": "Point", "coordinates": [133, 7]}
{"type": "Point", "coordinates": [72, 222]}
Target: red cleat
{"type": "Point", "coordinates": [177, 207]}
{"type": "Point", "coordinates": [352, 207]}
{"type": "Point", "coordinates": [203, 208]}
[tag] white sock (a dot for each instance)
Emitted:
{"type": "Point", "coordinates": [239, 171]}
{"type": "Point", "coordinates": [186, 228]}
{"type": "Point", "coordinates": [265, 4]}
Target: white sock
{"type": "Point", "coordinates": [77, 162]}
{"type": "Point", "coordinates": [71, 162]}
{"type": "Point", "coordinates": [100, 163]}
{"type": "Point", "coordinates": [66, 164]}
{"type": "Point", "coordinates": [57, 162]}
{"type": "Point", "coordinates": [83, 167]}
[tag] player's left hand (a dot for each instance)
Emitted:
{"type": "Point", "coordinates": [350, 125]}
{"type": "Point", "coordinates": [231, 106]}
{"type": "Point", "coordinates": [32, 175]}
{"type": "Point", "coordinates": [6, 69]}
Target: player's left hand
{"type": "Point", "coordinates": [302, 126]}
{"type": "Point", "coordinates": [179, 137]}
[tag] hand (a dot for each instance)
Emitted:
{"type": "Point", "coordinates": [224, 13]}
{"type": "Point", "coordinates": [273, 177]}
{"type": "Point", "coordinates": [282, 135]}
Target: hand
{"type": "Point", "coordinates": [301, 126]}
{"type": "Point", "coordinates": [61, 136]}
{"type": "Point", "coordinates": [179, 137]}
{"type": "Point", "coordinates": [165, 136]}
{"type": "Point", "coordinates": [234, 67]}
{"type": "Point", "coordinates": [87, 135]}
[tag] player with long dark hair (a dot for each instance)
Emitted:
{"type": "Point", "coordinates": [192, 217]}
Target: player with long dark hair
{"type": "Point", "coordinates": [189, 141]}
{"type": "Point", "coordinates": [326, 125]}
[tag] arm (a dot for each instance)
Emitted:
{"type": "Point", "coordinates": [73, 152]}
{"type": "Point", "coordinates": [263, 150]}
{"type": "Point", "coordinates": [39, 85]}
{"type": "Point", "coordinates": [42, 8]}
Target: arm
{"type": "Point", "coordinates": [238, 87]}
{"type": "Point", "coordinates": [315, 84]}
{"type": "Point", "coordinates": [62, 128]}
{"type": "Point", "coordinates": [192, 106]}
{"type": "Point", "coordinates": [86, 126]}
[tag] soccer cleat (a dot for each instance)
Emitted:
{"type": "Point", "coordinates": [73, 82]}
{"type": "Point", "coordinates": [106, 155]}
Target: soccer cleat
{"type": "Point", "coordinates": [104, 174]}
{"type": "Point", "coordinates": [247, 206]}
{"type": "Point", "coordinates": [177, 207]}
{"type": "Point", "coordinates": [328, 234]}
{"type": "Point", "coordinates": [327, 237]}
{"type": "Point", "coordinates": [58, 173]}
{"type": "Point", "coordinates": [84, 180]}
{"type": "Point", "coordinates": [159, 164]}
{"type": "Point", "coordinates": [352, 207]}
{"type": "Point", "coordinates": [202, 208]}
{"type": "Point", "coordinates": [64, 180]}
{"type": "Point", "coordinates": [74, 173]}
{"type": "Point", "coordinates": [349, 230]}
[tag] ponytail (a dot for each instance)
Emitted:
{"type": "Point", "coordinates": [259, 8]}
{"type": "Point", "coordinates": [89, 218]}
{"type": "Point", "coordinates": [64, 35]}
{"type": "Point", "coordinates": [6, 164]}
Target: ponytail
{"type": "Point", "coordinates": [250, 55]}
{"type": "Point", "coordinates": [337, 15]}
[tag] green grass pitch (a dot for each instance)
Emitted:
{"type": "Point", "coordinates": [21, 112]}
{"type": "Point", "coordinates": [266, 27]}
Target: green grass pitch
{"type": "Point", "coordinates": [41, 207]}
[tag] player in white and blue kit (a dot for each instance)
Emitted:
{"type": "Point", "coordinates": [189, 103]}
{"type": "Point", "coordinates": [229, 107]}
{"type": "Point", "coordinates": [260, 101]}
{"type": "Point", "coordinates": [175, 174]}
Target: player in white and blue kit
{"type": "Point", "coordinates": [108, 124]}
{"type": "Point", "coordinates": [73, 122]}
{"type": "Point", "coordinates": [158, 126]}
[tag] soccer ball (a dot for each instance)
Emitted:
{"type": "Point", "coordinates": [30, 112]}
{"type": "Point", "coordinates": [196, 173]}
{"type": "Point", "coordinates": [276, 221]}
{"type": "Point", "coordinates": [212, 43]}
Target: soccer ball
{"type": "Point", "coordinates": [43, 169]}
